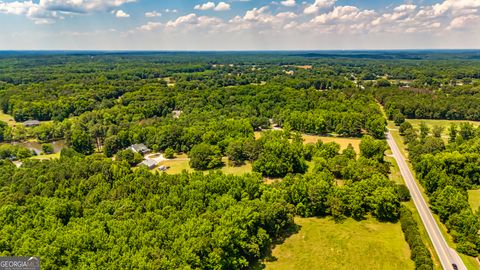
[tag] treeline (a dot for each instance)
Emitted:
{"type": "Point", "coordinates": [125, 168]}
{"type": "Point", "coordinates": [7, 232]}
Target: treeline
{"type": "Point", "coordinates": [426, 104]}
{"type": "Point", "coordinates": [419, 252]}
{"type": "Point", "coordinates": [214, 116]}
{"type": "Point", "coordinates": [447, 171]}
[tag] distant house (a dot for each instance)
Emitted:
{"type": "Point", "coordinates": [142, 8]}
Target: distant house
{"type": "Point", "coordinates": [149, 163]}
{"type": "Point", "coordinates": [31, 123]}
{"type": "Point", "coordinates": [163, 168]}
{"type": "Point", "coordinates": [176, 113]}
{"type": "Point", "coordinates": [140, 148]}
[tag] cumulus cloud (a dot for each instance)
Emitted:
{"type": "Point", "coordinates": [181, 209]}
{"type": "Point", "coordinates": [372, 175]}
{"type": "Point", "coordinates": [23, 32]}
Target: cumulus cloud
{"type": "Point", "coordinates": [121, 14]}
{"type": "Point", "coordinates": [464, 22]}
{"type": "Point", "coordinates": [221, 6]}
{"type": "Point", "coordinates": [82, 6]}
{"type": "Point", "coordinates": [193, 21]}
{"type": "Point", "coordinates": [319, 5]}
{"type": "Point", "coordinates": [47, 11]}
{"type": "Point", "coordinates": [206, 6]}
{"type": "Point", "coordinates": [150, 26]}
{"type": "Point", "coordinates": [152, 14]}
{"type": "Point", "coordinates": [288, 3]}
{"type": "Point", "coordinates": [343, 14]}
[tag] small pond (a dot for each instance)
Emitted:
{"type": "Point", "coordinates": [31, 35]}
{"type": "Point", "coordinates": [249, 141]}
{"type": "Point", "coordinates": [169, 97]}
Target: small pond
{"type": "Point", "coordinates": [37, 147]}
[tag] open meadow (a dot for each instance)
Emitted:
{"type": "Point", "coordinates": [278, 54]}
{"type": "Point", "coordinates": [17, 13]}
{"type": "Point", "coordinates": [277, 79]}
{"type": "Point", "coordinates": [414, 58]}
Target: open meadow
{"type": "Point", "coordinates": [323, 244]}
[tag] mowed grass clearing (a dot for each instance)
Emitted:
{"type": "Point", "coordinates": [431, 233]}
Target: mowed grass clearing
{"type": "Point", "coordinates": [7, 119]}
{"type": "Point", "coordinates": [181, 163]}
{"type": "Point", "coordinates": [324, 244]}
{"type": "Point", "coordinates": [442, 123]}
{"type": "Point", "coordinates": [47, 156]}
{"type": "Point", "coordinates": [343, 142]}
{"type": "Point", "coordinates": [474, 199]}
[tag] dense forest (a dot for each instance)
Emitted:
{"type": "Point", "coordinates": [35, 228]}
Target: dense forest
{"type": "Point", "coordinates": [92, 212]}
{"type": "Point", "coordinates": [92, 207]}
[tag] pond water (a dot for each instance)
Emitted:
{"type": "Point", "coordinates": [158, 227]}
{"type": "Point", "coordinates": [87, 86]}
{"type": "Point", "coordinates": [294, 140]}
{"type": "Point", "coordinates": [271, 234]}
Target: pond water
{"type": "Point", "coordinates": [37, 147]}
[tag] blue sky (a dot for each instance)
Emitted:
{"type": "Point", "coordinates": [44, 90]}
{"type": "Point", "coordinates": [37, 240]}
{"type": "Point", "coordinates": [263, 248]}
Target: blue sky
{"type": "Point", "coordinates": [238, 24]}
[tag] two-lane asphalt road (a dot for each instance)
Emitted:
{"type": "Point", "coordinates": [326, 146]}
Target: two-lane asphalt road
{"type": "Point", "coordinates": [447, 255]}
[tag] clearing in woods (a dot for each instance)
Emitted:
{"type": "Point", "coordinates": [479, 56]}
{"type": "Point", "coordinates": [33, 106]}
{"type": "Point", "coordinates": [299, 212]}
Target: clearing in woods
{"type": "Point", "coordinates": [324, 244]}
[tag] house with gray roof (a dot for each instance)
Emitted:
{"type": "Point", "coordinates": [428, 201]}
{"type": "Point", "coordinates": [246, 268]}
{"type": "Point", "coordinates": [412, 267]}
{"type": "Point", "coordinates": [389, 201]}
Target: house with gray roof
{"type": "Point", "coordinates": [31, 123]}
{"type": "Point", "coordinates": [149, 163]}
{"type": "Point", "coordinates": [140, 148]}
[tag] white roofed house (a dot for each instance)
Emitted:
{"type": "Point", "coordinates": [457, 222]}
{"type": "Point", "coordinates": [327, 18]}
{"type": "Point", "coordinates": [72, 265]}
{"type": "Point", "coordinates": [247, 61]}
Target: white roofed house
{"type": "Point", "coordinates": [31, 123]}
{"type": "Point", "coordinates": [149, 163]}
{"type": "Point", "coordinates": [140, 148]}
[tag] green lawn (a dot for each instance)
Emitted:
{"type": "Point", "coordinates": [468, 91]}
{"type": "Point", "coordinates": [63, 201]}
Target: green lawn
{"type": "Point", "coordinates": [443, 123]}
{"type": "Point", "coordinates": [7, 119]}
{"type": "Point", "coordinates": [49, 156]}
{"type": "Point", "coordinates": [474, 199]}
{"type": "Point", "coordinates": [324, 244]}
{"type": "Point", "coordinates": [343, 142]}
{"type": "Point", "coordinates": [395, 174]}
{"type": "Point", "coordinates": [182, 163]}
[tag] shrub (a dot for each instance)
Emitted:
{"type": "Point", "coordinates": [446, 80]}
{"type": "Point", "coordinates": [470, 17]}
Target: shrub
{"type": "Point", "coordinates": [47, 148]}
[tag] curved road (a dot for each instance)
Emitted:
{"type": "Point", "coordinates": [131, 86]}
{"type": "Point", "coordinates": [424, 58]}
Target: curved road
{"type": "Point", "coordinates": [447, 255]}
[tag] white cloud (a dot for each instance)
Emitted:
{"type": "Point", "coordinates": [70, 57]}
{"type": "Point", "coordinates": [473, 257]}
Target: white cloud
{"type": "Point", "coordinates": [150, 26]}
{"type": "Point", "coordinates": [402, 8]}
{"type": "Point", "coordinates": [82, 6]}
{"type": "Point", "coordinates": [318, 5]}
{"type": "Point", "coordinates": [47, 11]}
{"type": "Point", "coordinates": [343, 14]}
{"type": "Point", "coordinates": [288, 3]}
{"type": "Point", "coordinates": [222, 6]}
{"type": "Point", "coordinates": [152, 14]}
{"type": "Point", "coordinates": [121, 14]}
{"type": "Point", "coordinates": [464, 22]}
{"type": "Point", "coordinates": [193, 21]}
{"type": "Point", "coordinates": [206, 6]}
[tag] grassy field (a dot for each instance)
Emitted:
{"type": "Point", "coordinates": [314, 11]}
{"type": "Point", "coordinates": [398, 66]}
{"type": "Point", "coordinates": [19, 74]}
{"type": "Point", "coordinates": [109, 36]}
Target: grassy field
{"type": "Point", "coordinates": [395, 174]}
{"type": "Point", "coordinates": [443, 123]}
{"type": "Point", "coordinates": [343, 142]}
{"type": "Point", "coordinates": [474, 199]}
{"type": "Point", "coordinates": [180, 163]}
{"type": "Point", "coordinates": [324, 244]}
{"type": "Point", "coordinates": [49, 156]}
{"type": "Point", "coordinates": [7, 119]}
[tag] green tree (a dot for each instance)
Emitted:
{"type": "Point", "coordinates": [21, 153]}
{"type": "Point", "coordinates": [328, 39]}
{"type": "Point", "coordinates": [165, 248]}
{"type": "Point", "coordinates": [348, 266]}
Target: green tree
{"type": "Point", "coordinates": [404, 127]}
{"type": "Point", "coordinates": [437, 131]}
{"type": "Point", "coordinates": [424, 130]}
{"type": "Point", "coordinates": [399, 119]}
{"type": "Point", "coordinates": [81, 141]}
{"type": "Point", "coordinates": [129, 156]}
{"type": "Point", "coordinates": [452, 132]}
{"type": "Point", "coordinates": [373, 149]}
{"type": "Point", "coordinates": [169, 153]}
{"type": "Point", "coordinates": [385, 204]}
{"type": "Point", "coordinates": [376, 127]}
{"type": "Point", "coordinates": [47, 148]}
{"type": "Point", "coordinates": [204, 157]}
{"type": "Point", "coordinates": [448, 201]}
{"type": "Point", "coordinates": [235, 153]}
